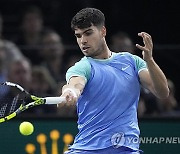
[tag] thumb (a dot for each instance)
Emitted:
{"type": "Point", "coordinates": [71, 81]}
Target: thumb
{"type": "Point", "coordinates": [139, 47]}
{"type": "Point", "coordinates": [143, 53]}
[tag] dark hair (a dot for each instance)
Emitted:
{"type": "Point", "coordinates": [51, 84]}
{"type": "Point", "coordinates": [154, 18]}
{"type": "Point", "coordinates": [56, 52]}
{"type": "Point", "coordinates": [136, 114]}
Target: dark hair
{"type": "Point", "coordinates": [88, 17]}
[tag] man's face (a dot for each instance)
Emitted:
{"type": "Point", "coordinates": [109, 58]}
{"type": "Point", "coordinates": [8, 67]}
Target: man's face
{"type": "Point", "coordinates": [90, 40]}
{"type": "Point", "coordinates": [123, 44]}
{"type": "Point", "coordinates": [32, 23]}
{"type": "Point", "coordinates": [53, 47]}
{"type": "Point", "coordinates": [20, 73]}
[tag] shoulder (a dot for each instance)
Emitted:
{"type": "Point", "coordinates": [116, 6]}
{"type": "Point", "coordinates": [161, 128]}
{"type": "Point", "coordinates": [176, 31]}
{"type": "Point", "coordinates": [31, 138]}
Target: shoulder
{"type": "Point", "coordinates": [83, 60]}
{"type": "Point", "coordinates": [80, 68]}
{"type": "Point", "coordinates": [83, 64]}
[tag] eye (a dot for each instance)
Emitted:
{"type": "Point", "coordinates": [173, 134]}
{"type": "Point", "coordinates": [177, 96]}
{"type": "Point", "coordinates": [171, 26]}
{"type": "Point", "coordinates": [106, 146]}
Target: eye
{"type": "Point", "coordinates": [77, 35]}
{"type": "Point", "coordinates": [88, 33]}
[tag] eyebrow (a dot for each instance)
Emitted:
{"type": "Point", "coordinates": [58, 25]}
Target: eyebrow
{"type": "Point", "coordinates": [83, 32]}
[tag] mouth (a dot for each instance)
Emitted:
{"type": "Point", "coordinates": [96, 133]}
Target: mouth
{"type": "Point", "coordinates": [84, 49]}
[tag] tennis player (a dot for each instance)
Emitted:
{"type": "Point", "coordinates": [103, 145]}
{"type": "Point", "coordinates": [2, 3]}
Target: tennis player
{"type": "Point", "coordinates": [105, 86]}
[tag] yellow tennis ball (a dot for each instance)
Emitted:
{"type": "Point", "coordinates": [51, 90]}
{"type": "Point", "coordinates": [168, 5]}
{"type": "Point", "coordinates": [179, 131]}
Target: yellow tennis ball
{"type": "Point", "coordinates": [26, 128]}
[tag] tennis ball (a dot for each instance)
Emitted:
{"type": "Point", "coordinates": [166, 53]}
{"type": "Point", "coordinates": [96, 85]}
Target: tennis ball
{"type": "Point", "coordinates": [26, 128]}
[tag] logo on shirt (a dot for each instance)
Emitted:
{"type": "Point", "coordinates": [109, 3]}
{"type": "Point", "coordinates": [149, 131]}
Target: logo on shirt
{"type": "Point", "coordinates": [124, 68]}
{"type": "Point", "coordinates": [118, 140]}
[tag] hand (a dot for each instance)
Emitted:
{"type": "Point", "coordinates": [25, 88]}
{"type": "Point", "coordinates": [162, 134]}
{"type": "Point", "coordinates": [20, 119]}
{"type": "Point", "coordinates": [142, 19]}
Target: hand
{"type": "Point", "coordinates": [71, 94]}
{"type": "Point", "coordinates": [148, 46]}
{"type": "Point", "coordinates": [70, 99]}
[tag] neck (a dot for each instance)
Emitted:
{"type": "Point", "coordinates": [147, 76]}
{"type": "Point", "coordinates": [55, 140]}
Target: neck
{"type": "Point", "coordinates": [104, 52]}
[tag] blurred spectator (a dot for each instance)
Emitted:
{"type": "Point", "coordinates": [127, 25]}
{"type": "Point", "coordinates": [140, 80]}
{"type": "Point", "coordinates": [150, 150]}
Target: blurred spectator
{"type": "Point", "coordinates": [8, 53]}
{"type": "Point", "coordinates": [151, 107]}
{"type": "Point", "coordinates": [168, 106]}
{"type": "Point", "coordinates": [11, 50]}
{"type": "Point", "coordinates": [30, 34]}
{"type": "Point", "coordinates": [36, 80]}
{"type": "Point", "coordinates": [19, 71]}
{"type": "Point", "coordinates": [52, 53]}
{"type": "Point", "coordinates": [43, 85]}
{"type": "Point", "coordinates": [121, 41]}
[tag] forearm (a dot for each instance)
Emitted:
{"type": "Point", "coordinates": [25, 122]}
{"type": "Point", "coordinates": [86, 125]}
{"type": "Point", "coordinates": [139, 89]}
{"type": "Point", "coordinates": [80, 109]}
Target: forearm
{"type": "Point", "coordinates": [159, 81]}
{"type": "Point", "coordinates": [73, 89]}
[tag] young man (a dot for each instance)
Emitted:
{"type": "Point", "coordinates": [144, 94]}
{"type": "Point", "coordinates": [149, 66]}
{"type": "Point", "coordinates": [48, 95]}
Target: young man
{"type": "Point", "coordinates": [105, 87]}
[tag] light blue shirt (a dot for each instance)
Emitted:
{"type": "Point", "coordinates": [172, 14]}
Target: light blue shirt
{"type": "Point", "coordinates": [108, 104]}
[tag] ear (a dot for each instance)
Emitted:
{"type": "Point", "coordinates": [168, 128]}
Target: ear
{"type": "Point", "coordinates": [103, 31]}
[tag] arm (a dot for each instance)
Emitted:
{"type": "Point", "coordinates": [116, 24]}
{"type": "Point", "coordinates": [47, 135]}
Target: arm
{"type": "Point", "coordinates": [73, 89]}
{"type": "Point", "coordinates": [153, 79]}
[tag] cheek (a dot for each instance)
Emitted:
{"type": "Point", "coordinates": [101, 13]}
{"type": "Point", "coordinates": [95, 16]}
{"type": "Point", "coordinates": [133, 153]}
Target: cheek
{"type": "Point", "coordinates": [78, 41]}
{"type": "Point", "coordinates": [97, 40]}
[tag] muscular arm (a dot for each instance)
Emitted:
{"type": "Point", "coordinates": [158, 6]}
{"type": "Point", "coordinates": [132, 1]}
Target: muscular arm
{"type": "Point", "coordinates": [153, 79]}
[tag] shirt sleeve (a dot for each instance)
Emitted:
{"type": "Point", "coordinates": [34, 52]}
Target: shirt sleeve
{"type": "Point", "coordinates": [140, 63]}
{"type": "Point", "coordinates": [81, 68]}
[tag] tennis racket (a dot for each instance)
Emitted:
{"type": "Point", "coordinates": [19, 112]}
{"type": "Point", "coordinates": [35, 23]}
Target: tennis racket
{"type": "Point", "coordinates": [14, 99]}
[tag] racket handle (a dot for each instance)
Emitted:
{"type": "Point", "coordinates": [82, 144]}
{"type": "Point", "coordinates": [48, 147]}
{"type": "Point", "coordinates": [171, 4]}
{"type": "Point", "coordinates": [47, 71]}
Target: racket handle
{"type": "Point", "coordinates": [54, 100]}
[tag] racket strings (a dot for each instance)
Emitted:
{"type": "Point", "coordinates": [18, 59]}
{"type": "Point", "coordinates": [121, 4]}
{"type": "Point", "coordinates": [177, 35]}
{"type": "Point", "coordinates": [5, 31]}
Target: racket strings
{"type": "Point", "coordinates": [11, 100]}
{"type": "Point", "coordinates": [14, 104]}
{"type": "Point", "coordinates": [10, 106]}
{"type": "Point", "coordinates": [3, 110]}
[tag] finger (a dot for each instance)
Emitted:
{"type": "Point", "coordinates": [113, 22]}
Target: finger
{"type": "Point", "coordinates": [67, 98]}
{"type": "Point", "coordinates": [147, 34]}
{"type": "Point", "coordinates": [71, 99]}
{"type": "Point", "coordinates": [143, 36]}
{"type": "Point", "coordinates": [149, 38]}
{"type": "Point", "coordinates": [140, 47]}
{"type": "Point", "coordinates": [149, 44]}
{"type": "Point", "coordinates": [139, 34]}
{"type": "Point", "coordinates": [144, 33]}
{"type": "Point", "coordinates": [147, 41]}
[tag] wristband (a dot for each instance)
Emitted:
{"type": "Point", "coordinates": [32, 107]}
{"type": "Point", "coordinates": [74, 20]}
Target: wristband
{"type": "Point", "coordinates": [71, 90]}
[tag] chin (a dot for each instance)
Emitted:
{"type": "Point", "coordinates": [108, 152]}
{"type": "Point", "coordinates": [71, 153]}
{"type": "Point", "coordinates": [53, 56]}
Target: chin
{"type": "Point", "coordinates": [85, 53]}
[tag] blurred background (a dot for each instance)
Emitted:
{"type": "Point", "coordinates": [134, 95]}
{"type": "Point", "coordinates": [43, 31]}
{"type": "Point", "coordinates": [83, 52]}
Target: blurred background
{"type": "Point", "coordinates": [37, 46]}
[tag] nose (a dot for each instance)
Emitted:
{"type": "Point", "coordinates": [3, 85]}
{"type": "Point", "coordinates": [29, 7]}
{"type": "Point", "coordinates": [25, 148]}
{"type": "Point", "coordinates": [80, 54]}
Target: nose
{"type": "Point", "coordinates": [83, 40]}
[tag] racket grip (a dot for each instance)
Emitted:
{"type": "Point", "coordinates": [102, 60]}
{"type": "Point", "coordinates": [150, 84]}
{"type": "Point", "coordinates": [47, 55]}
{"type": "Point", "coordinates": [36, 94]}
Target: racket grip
{"type": "Point", "coordinates": [54, 100]}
